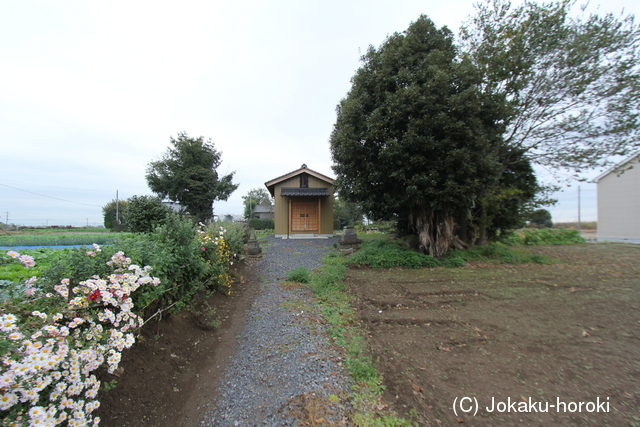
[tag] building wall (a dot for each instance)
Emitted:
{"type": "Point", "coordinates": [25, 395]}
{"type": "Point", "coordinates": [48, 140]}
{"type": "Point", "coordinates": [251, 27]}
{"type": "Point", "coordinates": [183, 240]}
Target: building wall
{"type": "Point", "coordinates": [281, 220]}
{"type": "Point", "coordinates": [619, 205]}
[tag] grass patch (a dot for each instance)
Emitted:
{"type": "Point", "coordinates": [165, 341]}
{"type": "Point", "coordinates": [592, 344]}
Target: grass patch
{"type": "Point", "coordinates": [385, 253]}
{"type": "Point", "coordinates": [58, 239]}
{"type": "Point", "coordinates": [498, 253]}
{"type": "Point", "coordinates": [543, 236]}
{"type": "Point", "coordinates": [327, 282]}
{"type": "Point", "coordinates": [299, 274]}
{"type": "Point", "coordinates": [264, 233]}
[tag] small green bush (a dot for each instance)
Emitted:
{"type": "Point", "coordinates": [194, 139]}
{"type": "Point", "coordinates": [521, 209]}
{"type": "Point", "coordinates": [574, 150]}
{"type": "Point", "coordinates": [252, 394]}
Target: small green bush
{"type": "Point", "coordinates": [552, 236]}
{"type": "Point", "coordinates": [144, 213]}
{"type": "Point", "coordinates": [299, 274]}
{"type": "Point", "coordinates": [385, 254]}
{"type": "Point", "coordinates": [498, 252]}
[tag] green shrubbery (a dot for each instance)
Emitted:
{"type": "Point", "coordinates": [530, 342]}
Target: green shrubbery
{"type": "Point", "coordinates": [261, 224]}
{"type": "Point", "coordinates": [382, 253]}
{"type": "Point", "coordinates": [498, 252]}
{"type": "Point", "coordinates": [552, 236]}
{"type": "Point", "coordinates": [176, 250]}
{"type": "Point", "coordinates": [299, 274]}
{"type": "Point", "coordinates": [56, 239]}
{"type": "Point", "coordinates": [90, 299]}
{"type": "Point", "coordinates": [543, 236]}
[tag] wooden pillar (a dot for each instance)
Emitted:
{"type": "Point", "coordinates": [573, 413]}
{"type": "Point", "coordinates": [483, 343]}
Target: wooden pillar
{"type": "Point", "coordinates": [289, 218]}
{"type": "Point", "coordinates": [319, 216]}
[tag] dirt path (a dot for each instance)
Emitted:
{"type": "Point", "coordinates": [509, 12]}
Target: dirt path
{"type": "Point", "coordinates": [268, 363]}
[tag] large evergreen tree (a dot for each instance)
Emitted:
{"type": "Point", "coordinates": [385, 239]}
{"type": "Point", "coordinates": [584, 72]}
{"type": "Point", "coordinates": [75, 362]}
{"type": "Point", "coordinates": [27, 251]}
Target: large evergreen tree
{"type": "Point", "coordinates": [187, 174]}
{"type": "Point", "coordinates": [417, 138]}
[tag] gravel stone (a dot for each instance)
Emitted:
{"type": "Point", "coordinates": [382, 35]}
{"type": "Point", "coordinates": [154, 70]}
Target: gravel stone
{"type": "Point", "coordinates": [283, 363]}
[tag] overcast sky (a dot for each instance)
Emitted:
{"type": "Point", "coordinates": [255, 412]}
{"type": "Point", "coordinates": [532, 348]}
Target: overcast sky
{"type": "Point", "coordinates": [91, 92]}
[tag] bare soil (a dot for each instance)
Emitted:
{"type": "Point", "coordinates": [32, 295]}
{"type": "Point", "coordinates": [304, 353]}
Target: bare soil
{"type": "Point", "coordinates": [526, 335]}
{"type": "Point", "coordinates": [169, 377]}
{"type": "Point", "coordinates": [568, 331]}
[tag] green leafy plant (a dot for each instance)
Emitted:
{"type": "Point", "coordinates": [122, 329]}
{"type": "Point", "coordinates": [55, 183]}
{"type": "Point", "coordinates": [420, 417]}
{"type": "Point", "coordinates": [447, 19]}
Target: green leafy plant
{"type": "Point", "coordinates": [385, 254]}
{"type": "Point", "coordinates": [552, 236]}
{"type": "Point", "coordinates": [299, 274]}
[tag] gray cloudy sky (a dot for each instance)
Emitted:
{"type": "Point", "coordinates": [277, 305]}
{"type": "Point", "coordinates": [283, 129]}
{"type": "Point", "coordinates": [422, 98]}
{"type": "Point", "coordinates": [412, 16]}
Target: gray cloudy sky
{"type": "Point", "coordinates": [91, 91]}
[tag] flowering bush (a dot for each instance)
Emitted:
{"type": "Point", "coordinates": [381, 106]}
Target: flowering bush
{"type": "Point", "coordinates": [48, 356]}
{"type": "Point", "coordinates": [218, 254]}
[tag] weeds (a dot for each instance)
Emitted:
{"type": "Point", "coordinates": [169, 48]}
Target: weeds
{"type": "Point", "coordinates": [385, 254]}
{"type": "Point", "coordinates": [299, 274]}
{"type": "Point", "coordinates": [334, 302]}
{"type": "Point", "coordinates": [552, 236]}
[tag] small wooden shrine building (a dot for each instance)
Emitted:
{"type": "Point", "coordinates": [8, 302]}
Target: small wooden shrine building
{"type": "Point", "coordinates": [303, 204]}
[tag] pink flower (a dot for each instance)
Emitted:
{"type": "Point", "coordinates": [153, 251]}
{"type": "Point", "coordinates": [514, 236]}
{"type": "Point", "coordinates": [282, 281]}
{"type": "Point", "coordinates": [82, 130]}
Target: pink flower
{"type": "Point", "coordinates": [13, 254]}
{"type": "Point", "coordinates": [204, 249]}
{"type": "Point", "coordinates": [30, 291]}
{"type": "Point", "coordinates": [27, 260]}
{"type": "Point", "coordinates": [91, 253]}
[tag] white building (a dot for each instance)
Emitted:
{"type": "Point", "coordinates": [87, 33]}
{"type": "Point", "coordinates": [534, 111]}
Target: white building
{"type": "Point", "coordinates": [619, 202]}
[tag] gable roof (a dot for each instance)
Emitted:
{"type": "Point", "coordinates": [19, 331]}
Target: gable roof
{"type": "Point", "coordinates": [303, 169]}
{"type": "Point", "coordinates": [618, 167]}
{"type": "Point", "coordinates": [263, 209]}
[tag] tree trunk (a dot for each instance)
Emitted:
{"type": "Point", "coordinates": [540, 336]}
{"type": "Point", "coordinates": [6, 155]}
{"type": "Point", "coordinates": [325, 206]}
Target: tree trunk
{"type": "Point", "coordinates": [435, 230]}
{"type": "Point", "coordinates": [484, 223]}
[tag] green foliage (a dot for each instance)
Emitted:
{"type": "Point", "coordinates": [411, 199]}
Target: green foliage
{"type": "Point", "coordinates": [416, 138]}
{"type": "Point", "coordinates": [511, 238]}
{"type": "Point", "coordinates": [255, 197]}
{"type": "Point", "coordinates": [299, 274]}
{"type": "Point", "coordinates": [572, 80]}
{"type": "Point", "coordinates": [346, 213]}
{"type": "Point", "coordinates": [57, 239]}
{"type": "Point", "coordinates": [327, 282]}
{"type": "Point", "coordinates": [541, 218]}
{"type": "Point", "coordinates": [145, 213]}
{"type": "Point", "coordinates": [499, 253]}
{"type": "Point", "coordinates": [236, 236]}
{"type": "Point", "coordinates": [76, 265]}
{"type": "Point", "coordinates": [110, 211]}
{"type": "Point", "coordinates": [188, 174]}
{"type": "Point", "coordinates": [384, 254]}
{"type": "Point", "coordinates": [327, 279]}
{"type": "Point", "coordinates": [261, 224]}
{"type": "Point", "coordinates": [552, 236]}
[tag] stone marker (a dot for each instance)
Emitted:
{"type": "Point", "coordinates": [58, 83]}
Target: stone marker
{"type": "Point", "coordinates": [253, 247]}
{"type": "Point", "coordinates": [349, 241]}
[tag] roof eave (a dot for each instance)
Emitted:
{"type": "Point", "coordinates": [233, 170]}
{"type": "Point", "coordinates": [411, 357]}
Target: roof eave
{"type": "Point", "coordinates": [616, 167]}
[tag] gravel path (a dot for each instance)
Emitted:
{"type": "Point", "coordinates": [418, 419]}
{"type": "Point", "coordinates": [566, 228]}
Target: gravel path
{"type": "Point", "coordinates": [283, 370]}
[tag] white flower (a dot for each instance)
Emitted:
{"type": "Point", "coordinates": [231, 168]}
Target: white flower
{"type": "Point", "coordinates": [7, 400]}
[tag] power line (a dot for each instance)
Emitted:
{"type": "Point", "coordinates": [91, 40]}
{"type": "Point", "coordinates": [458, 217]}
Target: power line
{"type": "Point", "coordinates": [50, 197]}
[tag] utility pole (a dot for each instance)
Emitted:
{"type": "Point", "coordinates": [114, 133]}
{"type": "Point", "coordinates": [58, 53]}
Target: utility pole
{"type": "Point", "coordinates": [117, 211]}
{"type": "Point", "coordinates": [579, 219]}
